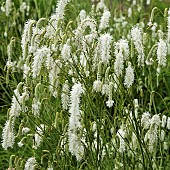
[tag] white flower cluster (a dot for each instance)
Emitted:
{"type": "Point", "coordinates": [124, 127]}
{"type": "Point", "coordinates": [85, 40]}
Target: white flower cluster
{"type": "Point", "coordinates": [110, 101]}
{"type": "Point", "coordinates": [38, 136]}
{"type": "Point", "coordinates": [104, 22]}
{"type": "Point", "coordinates": [36, 105]}
{"type": "Point", "coordinates": [82, 15]}
{"type": "Point", "coordinates": [75, 145]}
{"type": "Point", "coordinates": [129, 76]}
{"type": "Point", "coordinates": [26, 36]}
{"type": "Point", "coordinates": [121, 134]}
{"type": "Point", "coordinates": [105, 45]}
{"type": "Point", "coordinates": [162, 53]}
{"type": "Point", "coordinates": [60, 9]}
{"type": "Point", "coordinates": [122, 47]}
{"type": "Point", "coordinates": [8, 7]}
{"type": "Point", "coordinates": [101, 6]}
{"type": "Point", "coordinates": [152, 125]}
{"type": "Point", "coordinates": [39, 59]}
{"type": "Point", "coordinates": [118, 65]}
{"type": "Point", "coordinates": [88, 22]}
{"type": "Point", "coordinates": [55, 18]}
{"type": "Point", "coordinates": [18, 106]}
{"type": "Point", "coordinates": [30, 164]}
{"type": "Point", "coordinates": [145, 120]}
{"type": "Point", "coordinates": [66, 52]}
{"type": "Point", "coordinates": [137, 38]}
{"type": "Point", "coordinates": [8, 134]}
{"type": "Point", "coordinates": [121, 54]}
{"type": "Point", "coordinates": [65, 96]}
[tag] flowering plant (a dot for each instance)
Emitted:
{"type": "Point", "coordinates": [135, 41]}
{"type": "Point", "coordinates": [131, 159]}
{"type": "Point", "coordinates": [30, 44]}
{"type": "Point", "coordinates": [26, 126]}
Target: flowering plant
{"type": "Point", "coordinates": [90, 97]}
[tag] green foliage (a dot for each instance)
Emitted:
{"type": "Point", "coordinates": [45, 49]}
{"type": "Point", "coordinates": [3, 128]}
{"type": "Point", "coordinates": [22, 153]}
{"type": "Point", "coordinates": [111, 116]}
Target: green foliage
{"type": "Point", "coordinates": [101, 125]}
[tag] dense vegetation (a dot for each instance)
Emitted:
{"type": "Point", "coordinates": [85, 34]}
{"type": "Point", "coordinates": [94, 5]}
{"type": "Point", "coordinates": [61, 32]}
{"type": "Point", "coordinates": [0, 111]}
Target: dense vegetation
{"type": "Point", "coordinates": [85, 84]}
